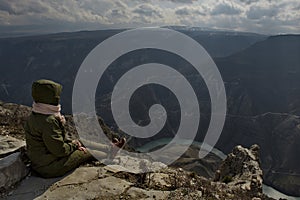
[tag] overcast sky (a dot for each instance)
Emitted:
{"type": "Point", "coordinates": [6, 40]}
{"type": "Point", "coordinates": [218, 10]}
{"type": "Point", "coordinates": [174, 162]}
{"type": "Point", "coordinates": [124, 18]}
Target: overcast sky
{"type": "Point", "coordinates": [260, 16]}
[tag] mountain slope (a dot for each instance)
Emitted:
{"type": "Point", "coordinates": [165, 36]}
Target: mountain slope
{"type": "Point", "coordinates": [59, 56]}
{"type": "Point", "coordinates": [263, 78]}
{"type": "Point", "coordinates": [266, 74]}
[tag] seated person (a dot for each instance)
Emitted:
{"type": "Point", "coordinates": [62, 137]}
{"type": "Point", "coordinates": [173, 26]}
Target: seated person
{"type": "Point", "coordinates": [50, 152]}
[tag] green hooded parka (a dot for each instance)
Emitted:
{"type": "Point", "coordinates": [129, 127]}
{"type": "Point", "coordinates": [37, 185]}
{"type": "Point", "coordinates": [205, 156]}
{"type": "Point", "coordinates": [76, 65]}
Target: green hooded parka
{"type": "Point", "coordinates": [50, 152]}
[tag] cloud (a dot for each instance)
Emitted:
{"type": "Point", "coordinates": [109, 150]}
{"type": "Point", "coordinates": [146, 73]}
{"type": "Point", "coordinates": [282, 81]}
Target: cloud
{"type": "Point", "coordinates": [4, 16]}
{"type": "Point", "coordinates": [173, 1]}
{"type": "Point", "coordinates": [263, 16]}
{"type": "Point", "coordinates": [183, 1]}
{"type": "Point", "coordinates": [249, 1]}
{"type": "Point", "coordinates": [297, 7]}
{"type": "Point", "coordinates": [189, 11]}
{"type": "Point", "coordinates": [225, 9]}
{"type": "Point", "coordinates": [256, 12]}
{"type": "Point", "coordinates": [38, 10]}
{"type": "Point", "coordinates": [119, 12]}
{"type": "Point", "coordinates": [14, 7]}
{"type": "Point", "coordinates": [147, 10]}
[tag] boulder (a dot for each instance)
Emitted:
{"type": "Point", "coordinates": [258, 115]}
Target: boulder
{"type": "Point", "coordinates": [10, 145]}
{"type": "Point", "coordinates": [12, 170]}
{"type": "Point", "coordinates": [242, 168]}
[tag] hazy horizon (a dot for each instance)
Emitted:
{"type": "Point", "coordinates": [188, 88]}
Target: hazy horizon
{"type": "Point", "coordinates": [32, 17]}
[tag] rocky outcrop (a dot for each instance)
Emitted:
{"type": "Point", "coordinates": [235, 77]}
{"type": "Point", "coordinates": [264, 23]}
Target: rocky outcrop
{"type": "Point", "coordinates": [239, 175]}
{"type": "Point", "coordinates": [278, 136]}
{"type": "Point", "coordinates": [97, 181]}
{"type": "Point", "coordinates": [12, 166]}
{"type": "Point", "coordinates": [12, 170]}
{"type": "Point", "coordinates": [241, 169]}
{"type": "Point", "coordinates": [12, 119]}
{"type": "Point", "coordinates": [9, 145]}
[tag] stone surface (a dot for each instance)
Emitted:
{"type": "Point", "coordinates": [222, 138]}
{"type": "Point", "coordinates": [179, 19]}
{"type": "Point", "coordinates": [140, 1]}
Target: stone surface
{"type": "Point", "coordinates": [12, 119]}
{"type": "Point", "coordinates": [242, 168]}
{"type": "Point", "coordinates": [10, 145]}
{"type": "Point", "coordinates": [106, 188]}
{"type": "Point", "coordinates": [161, 181]}
{"type": "Point", "coordinates": [110, 182]}
{"type": "Point", "coordinates": [276, 133]}
{"type": "Point", "coordinates": [138, 165]}
{"type": "Point", "coordinates": [86, 175]}
{"type": "Point", "coordinates": [138, 193]}
{"type": "Point", "coordinates": [12, 170]}
{"type": "Point", "coordinates": [30, 188]}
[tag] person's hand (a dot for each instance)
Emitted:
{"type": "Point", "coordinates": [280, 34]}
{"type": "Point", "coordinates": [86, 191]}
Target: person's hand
{"type": "Point", "coordinates": [82, 149]}
{"type": "Point", "coordinates": [79, 146]}
{"type": "Point", "coordinates": [77, 143]}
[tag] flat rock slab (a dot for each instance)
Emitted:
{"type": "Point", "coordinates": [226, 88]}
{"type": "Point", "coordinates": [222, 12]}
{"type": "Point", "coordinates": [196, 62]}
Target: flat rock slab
{"type": "Point", "coordinates": [34, 187]}
{"type": "Point", "coordinates": [79, 176]}
{"type": "Point", "coordinates": [138, 193]}
{"type": "Point", "coordinates": [135, 165]}
{"type": "Point", "coordinates": [31, 187]}
{"type": "Point", "coordinates": [106, 188]}
{"type": "Point", "coordinates": [10, 145]}
{"type": "Point", "coordinates": [116, 168]}
{"type": "Point", "coordinates": [83, 183]}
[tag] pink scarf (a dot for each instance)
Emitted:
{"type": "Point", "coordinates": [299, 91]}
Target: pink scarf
{"type": "Point", "coordinates": [48, 109]}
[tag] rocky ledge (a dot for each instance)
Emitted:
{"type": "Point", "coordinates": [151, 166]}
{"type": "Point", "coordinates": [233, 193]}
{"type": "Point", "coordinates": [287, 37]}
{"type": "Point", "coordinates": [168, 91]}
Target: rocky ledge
{"type": "Point", "coordinates": [238, 177]}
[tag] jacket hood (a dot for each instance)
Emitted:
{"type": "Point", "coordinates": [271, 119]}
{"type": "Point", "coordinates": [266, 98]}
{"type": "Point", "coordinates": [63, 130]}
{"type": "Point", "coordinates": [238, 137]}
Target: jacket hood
{"type": "Point", "coordinates": [46, 91]}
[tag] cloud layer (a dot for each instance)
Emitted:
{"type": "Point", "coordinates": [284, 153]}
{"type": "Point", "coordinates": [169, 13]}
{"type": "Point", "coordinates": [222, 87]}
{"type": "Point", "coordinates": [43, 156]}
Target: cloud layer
{"type": "Point", "coordinates": [261, 16]}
